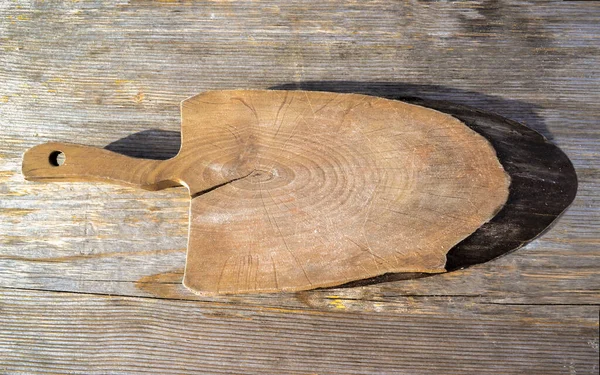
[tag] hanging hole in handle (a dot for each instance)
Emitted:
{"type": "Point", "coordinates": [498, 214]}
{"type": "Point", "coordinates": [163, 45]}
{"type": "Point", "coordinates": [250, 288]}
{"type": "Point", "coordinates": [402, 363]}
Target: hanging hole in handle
{"type": "Point", "coordinates": [57, 158]}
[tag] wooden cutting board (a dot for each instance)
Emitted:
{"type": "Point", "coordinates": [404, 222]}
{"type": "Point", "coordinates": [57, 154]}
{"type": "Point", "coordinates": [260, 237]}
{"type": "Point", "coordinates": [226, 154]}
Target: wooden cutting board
{"type": "Point", "coordinates": [294, 190]}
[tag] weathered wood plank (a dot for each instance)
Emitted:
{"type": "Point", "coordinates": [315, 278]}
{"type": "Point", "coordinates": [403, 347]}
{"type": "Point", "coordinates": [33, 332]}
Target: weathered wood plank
{"type": "Point", "coordinates": [67, 333]}
{"type": "Point", "coordinates": [104, 239]}
{"type": "Point", "coordinates": [98, 72]}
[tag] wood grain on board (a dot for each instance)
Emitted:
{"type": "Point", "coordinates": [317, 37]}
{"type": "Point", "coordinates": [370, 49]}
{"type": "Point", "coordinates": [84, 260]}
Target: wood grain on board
{"type": "Point", "coordinates": [99, 267]}
{"type": "Point", "coordinates": [296, 190]}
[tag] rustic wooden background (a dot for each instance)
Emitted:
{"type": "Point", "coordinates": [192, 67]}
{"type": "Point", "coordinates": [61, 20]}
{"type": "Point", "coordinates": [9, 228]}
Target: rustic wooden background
{"type": "Point", "coordinates": [90, 273]}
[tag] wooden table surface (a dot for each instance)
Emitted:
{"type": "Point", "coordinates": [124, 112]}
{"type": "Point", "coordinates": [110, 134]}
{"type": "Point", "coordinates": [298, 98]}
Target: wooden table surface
{"type": "Point", "coordinates": [90, 274]}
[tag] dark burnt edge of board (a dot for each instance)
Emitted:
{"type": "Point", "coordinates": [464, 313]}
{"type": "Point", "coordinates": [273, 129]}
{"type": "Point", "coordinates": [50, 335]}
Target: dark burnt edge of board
{"type": "Point", "coordinates": [543, 185]}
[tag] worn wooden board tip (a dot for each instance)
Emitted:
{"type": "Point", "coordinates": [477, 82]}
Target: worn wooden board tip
{"type": "Point", "coordinates": [294, 190]}
{"type": "Point", "coordinates": [543, 185]}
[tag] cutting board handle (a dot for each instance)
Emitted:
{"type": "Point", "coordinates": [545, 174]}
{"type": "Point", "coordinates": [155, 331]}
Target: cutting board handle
{"type": "Point", "coordinates": [71, 162]}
